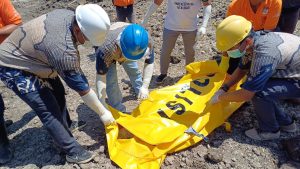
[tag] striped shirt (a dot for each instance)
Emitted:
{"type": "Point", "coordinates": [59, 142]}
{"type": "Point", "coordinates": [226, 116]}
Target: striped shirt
{"type": "Point", "coordinates": [43, 46]}
{"type": "Point", "coordinates": [106, 55]}
{"type": "Point", "coordinates": [275, 55]}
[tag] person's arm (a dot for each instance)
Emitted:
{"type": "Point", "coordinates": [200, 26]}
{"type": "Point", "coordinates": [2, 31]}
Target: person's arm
{"type": "Point", "coordinates": [78, 82]}
{"type": "Point", "coordinates": [101, 88]}
{"type": "Point", "coordinates": [237, 96]}
{"type": "Point", "coordinates": [237, 75]}
{"type": "Point", "coordinates": [206, 15]}
{"type": "Point", "coordinates": [8, 29]}
{"type": "Point", "coordinates": [273, 16]}
{"type": "Point", "coordinates": [11, 18]}
{"type": "Point", "coordinates": [153, 7]}
{"type": "Point", "coordinates": [147, 73]}
{"type": "Point", "coordinates": [91, 100]}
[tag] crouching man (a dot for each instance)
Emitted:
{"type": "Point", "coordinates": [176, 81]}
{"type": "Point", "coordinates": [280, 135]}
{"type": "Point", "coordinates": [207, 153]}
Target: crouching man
{"type": "Point", "coordinates": [271, 62]}
{"type": "Point", "coordinates": [125, 44]}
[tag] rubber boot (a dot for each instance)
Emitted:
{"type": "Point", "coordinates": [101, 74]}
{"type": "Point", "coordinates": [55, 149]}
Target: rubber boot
{"type": "Point", "coordinates": [6, 153]}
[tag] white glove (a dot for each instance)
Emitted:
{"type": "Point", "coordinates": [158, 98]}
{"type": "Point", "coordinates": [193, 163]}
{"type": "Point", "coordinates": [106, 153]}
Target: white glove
{"type": "Point", "coordinates": [143, 93]}
{"type": "Point", "coordinates": [201, 31]}
{"type": "Point", "coordinates": [91, 100]}
{"type": "Point", "coordinates": [153, 7]}
{"type": "Point", "coordinates": [206, 15]}
{"type": "Point", "coordinates": [101, 88]}
{"type": "Point", "coordinates": [147, 75]}
{"type": "Point", "coordinates": [215, 98]}
{"type": "Point", "coordinates": [107, 118]}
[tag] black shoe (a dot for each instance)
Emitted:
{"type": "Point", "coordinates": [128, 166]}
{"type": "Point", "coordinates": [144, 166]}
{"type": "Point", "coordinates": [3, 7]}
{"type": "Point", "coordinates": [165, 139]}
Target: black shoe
{"type": "Point", "coordinates": [8, 123]}
{"type": "Point", "coordinates": [160, 78]}
{"type": "Point", "coordinates": [79, 158]}
{"type": "Point", "coordinates": [6, 153]}
{"type": "Point", "coordinates": [77, 125]}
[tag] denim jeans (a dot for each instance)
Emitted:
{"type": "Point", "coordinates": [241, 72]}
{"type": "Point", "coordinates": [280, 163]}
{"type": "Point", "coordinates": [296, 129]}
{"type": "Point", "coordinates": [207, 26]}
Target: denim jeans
{"type": "Point", "coordinates": [49, 104]}
{"type": "Point", "coordinates": [269, 113]}
{"type": "Point", "coordinates": [114, 94]}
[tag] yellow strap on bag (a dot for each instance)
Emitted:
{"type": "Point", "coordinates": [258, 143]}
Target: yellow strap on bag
{"type": "Point", "coordinates": [162, 123]}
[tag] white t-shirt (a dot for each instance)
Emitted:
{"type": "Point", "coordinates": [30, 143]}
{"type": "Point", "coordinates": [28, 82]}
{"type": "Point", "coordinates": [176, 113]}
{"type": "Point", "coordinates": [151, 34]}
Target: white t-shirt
{"type": "Point", "coordinates": [182, 15]}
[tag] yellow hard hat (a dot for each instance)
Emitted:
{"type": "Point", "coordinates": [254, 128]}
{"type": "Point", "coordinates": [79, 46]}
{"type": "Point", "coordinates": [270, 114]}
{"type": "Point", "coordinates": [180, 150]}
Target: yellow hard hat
{"type": "Point", "coordinates": [231, 31]}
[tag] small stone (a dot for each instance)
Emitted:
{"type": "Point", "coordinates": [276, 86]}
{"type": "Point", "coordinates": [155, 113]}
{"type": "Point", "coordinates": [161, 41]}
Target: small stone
{"type": "Point", "coordinates": [175, 60]}
{"type": "Point", "coordinates": [97, 159]}
{"type": "Point", "coordinates": [201, 153]}
{"type": "Point", "coordinates": [189, 162]}
{"type": "Point", "coordinates": [214, 155]}
{"type": "Point", "coordinates": [184, 154]}
{"type": "Point", "coordinates": [35, 121]}
{"type": "Point", "coordinates": [84, 166]}
{"type": "Point", "coordinates": [255, 164]}
{"type": "Point", "coordinates": [101, 149]}
{"type": "Point", "coordinates": [182, 164]}
{"type": "Point", "coordinates": [169, 160]}
{"type": "Point", "coordinates": [76, 166]}
{"type": "Point", "coordinates": [125, 87]}
{"type": "Point", "coordinates": [31, 166]}
{"type": "Point", "coordinates": [256, 151]}
{"type": "Point", "coordinates": [233, 159]}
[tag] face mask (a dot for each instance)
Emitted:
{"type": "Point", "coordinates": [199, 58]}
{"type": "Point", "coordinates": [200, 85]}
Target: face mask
{"type": "Point", "coordinates": [236, 53]}
{"type": "Point", "coordinates": [87, 44]}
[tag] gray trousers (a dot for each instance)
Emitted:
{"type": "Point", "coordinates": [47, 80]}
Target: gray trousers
{"type": "Point", "coordinates": [169, 40]}
{"type": "Point", "coordinates": [125, 12]}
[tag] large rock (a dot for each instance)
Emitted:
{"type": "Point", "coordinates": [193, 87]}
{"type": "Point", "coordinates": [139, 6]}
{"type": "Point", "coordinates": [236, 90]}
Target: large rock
{"type": "Point", "coordinates": [214, 155]}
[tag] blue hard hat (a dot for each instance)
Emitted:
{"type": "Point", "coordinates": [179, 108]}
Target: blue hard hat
{"type": "Point", "coordinates": [134, 42]}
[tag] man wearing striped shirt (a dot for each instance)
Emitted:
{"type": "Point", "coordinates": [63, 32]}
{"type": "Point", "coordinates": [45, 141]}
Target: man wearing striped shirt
{"type": "Point", "coordinates": [34, 56]}
{"type": "Point", "coordinates": [271, 62]}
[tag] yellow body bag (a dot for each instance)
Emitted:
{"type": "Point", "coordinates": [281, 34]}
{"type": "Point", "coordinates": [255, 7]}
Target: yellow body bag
{"type": "Point", "coordinates": [161, 124]}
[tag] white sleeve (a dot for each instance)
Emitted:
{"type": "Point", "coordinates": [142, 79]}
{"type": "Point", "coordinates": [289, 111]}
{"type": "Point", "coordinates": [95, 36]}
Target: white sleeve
{"type": "Point", "coordinates": [101, 88]}
{"type": "Point", "coordinates": [206, 15]}
{"type": "Point", "coordinates": [91, 100]}
{"type": "Point", "coordinates": [147, 74]}
{"type": "Point", "coordinates": [153, 7]}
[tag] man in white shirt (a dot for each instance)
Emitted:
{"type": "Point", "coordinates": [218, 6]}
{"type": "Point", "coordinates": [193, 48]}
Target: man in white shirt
{"type": "Point", "coordinates": [181, 18]}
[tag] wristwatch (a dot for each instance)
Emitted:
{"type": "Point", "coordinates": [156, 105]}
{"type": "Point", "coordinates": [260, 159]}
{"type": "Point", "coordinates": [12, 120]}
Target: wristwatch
{"type": "Point", "coordinates": [225, 87]}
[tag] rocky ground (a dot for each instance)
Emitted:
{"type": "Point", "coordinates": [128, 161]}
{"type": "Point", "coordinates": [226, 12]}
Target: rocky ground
{"type": "Point", "coordinates": [33, 147]}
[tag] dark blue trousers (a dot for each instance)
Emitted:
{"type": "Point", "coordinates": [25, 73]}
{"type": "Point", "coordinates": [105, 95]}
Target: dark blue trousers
{"type": "Point", "coordinates": [266, 103]}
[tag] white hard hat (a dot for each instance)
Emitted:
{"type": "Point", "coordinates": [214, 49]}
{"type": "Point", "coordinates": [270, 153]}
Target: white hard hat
{"type": "Point", "coordinates": [93, 22]}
